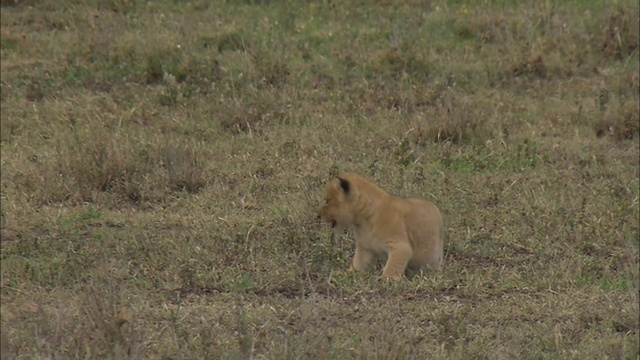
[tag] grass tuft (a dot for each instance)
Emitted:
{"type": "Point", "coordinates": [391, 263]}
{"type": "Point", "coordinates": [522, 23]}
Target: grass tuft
{"type": "Point", "coordinates": [533, 66]}
{"type": "Point", "coordinates": [185, 168]}
{"type": "Point", "coordinates": [453, 119]}
{"type": "Point", "coordinates": [619, 38]}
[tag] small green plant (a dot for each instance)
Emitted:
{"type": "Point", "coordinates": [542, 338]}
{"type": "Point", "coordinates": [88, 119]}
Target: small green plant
{"type": "Point", "coordinates": [244, 283]}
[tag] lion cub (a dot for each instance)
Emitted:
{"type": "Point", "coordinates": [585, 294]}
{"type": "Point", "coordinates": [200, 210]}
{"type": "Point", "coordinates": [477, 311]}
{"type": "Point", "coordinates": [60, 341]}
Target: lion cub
{"type": "Point", "coordinates": [408, 232]}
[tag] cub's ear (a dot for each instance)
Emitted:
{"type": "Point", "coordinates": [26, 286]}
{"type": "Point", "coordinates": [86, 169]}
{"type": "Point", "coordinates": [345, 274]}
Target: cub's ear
{"type": "Point", "coordinates": [345, 185]}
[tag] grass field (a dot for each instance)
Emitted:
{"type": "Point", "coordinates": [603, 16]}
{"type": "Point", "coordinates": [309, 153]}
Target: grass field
{"type": "Point", "coordinates": [163, 165]}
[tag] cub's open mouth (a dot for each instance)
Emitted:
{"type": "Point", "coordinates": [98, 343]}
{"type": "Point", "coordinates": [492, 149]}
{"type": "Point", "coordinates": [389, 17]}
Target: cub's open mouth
{"type": "Point", "coordinates": [333, 223]}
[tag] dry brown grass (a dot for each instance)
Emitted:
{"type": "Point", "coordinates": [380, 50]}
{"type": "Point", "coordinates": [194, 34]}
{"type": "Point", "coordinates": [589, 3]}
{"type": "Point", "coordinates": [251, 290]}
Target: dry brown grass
{"type": "Point", "coordinates": [162, 169]}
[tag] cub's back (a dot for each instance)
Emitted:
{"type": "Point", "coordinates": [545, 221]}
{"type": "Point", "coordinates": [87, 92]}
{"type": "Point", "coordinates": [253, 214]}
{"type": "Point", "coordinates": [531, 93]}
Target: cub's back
{"type": "Point", "coordinates": [423, 220]}
{"type": "Point", "coordinates": [422, 210]}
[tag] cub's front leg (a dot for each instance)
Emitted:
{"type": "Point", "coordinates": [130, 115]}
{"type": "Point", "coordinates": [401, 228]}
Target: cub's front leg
{"type": "Point", "coordinates": [398, 258]}
{"type": "Point", "coordinates": [362, 259]}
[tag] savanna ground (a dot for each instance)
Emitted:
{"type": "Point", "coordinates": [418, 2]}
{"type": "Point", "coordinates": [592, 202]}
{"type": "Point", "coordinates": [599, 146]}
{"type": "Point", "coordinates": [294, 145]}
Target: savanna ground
{"type": "Point", "coordinates": [163, 165]}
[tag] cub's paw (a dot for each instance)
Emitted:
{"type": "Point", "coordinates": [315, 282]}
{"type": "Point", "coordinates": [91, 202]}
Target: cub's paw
{"type": "Point", "coordinates": [389, 278]}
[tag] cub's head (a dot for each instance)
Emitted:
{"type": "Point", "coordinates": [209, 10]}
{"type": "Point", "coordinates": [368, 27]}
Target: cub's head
{"type": "Point", "coordinates": [337, 209]}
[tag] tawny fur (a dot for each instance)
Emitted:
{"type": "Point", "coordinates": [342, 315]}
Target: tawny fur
{"type": "Point", "coordinates": [409, 233]}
